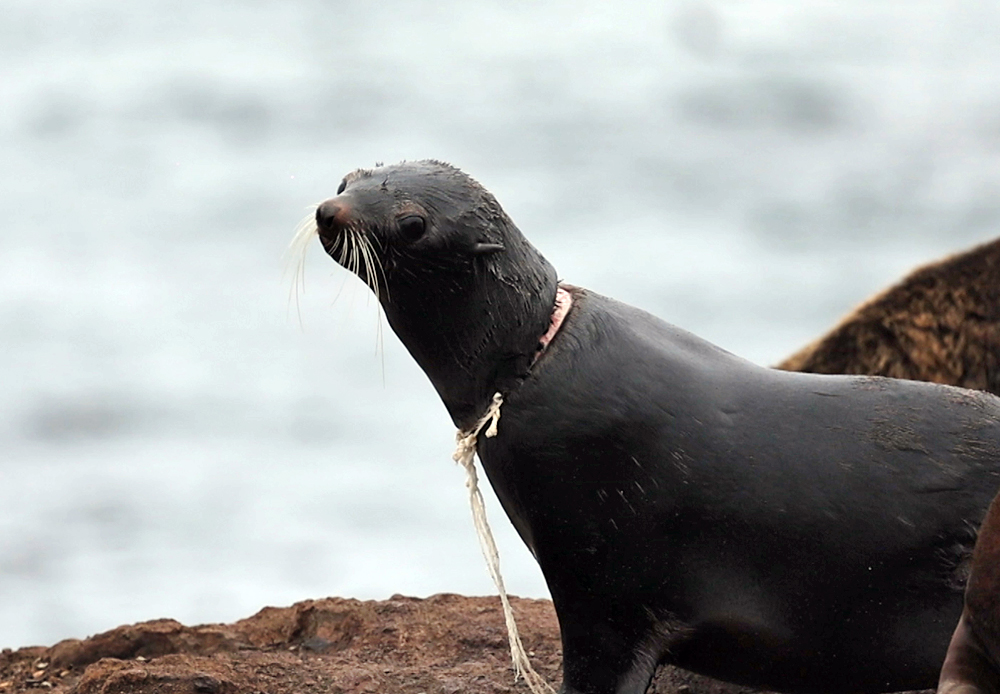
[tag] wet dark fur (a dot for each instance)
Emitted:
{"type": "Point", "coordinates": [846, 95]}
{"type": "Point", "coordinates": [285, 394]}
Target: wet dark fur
{"type": "Point", "coordinates": [792, 531]}
{"type": "Point", "coordinates": [941, 324]}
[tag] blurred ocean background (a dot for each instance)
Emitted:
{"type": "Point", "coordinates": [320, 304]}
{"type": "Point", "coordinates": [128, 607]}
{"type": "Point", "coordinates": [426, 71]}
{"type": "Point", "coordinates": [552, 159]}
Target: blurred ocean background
{"type": "Point", "coordinates": [175, 441]}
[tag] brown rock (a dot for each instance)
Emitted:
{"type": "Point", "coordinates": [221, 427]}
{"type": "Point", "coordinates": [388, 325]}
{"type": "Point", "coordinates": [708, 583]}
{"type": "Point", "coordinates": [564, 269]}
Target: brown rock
{"type": "Point", "coordinates": [146, 639]}
{"type": "Point", "coordinates": [440, 645]}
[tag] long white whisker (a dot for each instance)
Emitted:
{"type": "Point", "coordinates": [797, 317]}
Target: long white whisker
{"type": "Point", "coordinates": [355, 262]}
{"type": "Point", "coordinates": [379, 270]}
{"type": "Point", "coordinates": [371, 262]}
{"type": "Point", "coordinates": [379, 345]}
{"type": "Point", "coordinates": [367, 258]}
{"type": "Point", "coordinates": [356, 252]}
{"type": "Point", "coordinates": [374, 268]}
{"type": "Point", "coordinates": [295, 259]}
{"type": "Point", "coordinates": [341, 255]}
{"type": "Point", "coordinates": [350, 259]}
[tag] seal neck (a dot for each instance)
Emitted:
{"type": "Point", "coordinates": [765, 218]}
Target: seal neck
{"type": "Point", "coordinates": [477, 332]}
{"type": "Point", "coordinates": [467, 437]}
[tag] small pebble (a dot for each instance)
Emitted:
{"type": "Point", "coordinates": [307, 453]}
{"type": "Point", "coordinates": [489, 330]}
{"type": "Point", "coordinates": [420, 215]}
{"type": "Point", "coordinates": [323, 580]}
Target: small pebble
{"type": "Point", "coordinates": [63, 673]}
{"type": "Point", "coordinates": [47, 685]}
{"type": "Point", "coordinates": [41, 665]}
{"type": "Point", "coordinates": [38, 674]}
{"type": "Point", "coordinates": [141, 659]}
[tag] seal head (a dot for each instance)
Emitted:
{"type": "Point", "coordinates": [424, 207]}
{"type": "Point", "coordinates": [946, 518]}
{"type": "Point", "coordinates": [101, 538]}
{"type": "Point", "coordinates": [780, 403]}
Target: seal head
{"type": "Point", "coordinates": [463, 289]}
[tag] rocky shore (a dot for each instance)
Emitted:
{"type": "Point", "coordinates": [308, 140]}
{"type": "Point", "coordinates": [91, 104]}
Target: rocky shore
{"type": "Point", "coordinates": [443, 644]}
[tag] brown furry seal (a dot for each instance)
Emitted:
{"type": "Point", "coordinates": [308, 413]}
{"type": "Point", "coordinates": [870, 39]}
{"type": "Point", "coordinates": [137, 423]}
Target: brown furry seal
{"type": "Point", "coordinates": [800, 532]}
{"type": "Point", "coordinates": [941, 323]}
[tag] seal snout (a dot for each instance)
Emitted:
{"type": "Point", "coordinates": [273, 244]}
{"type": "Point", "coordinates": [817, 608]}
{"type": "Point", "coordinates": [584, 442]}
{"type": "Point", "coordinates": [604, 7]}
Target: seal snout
{"type": "Point", "coordinates": [332, 216]}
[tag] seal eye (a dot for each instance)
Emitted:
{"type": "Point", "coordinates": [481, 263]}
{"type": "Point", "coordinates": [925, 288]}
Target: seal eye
{"type": "Point", "coordinates": [340, 188]}
{"type": "Point", "coordinates": [412, 227]}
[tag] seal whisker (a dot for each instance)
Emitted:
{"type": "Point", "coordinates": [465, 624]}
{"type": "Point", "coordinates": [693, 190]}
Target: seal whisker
{"type": "Point", "coordinates": [342, 258]}
{"type": "Point", "coordinates": [342, 253]}
{"type": "Point", "coordinates": [354, 253]}
{"type": "Point", "coordinates": [371, 279]}
{"type": "Point", "coordinates": [348, 249]}
{"type": "Point", "coordinates": [351, 249]}
{"type": "Point", "coordinates": [295, 259]}
{"type": "Point", "coordinates": [353, 263]}
{"type": "Point", "coordinates": [366, 257]}
{"type": "Point", "coordinates": [356, 239]}
{"type": "Point", "coordinates": [377, 269]}
{"type": "Point", "coordinates": [379, 345]}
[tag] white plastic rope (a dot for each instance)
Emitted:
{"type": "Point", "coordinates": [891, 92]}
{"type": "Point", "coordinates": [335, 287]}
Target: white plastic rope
{"type": "Point", "coordinates": [465, 455]}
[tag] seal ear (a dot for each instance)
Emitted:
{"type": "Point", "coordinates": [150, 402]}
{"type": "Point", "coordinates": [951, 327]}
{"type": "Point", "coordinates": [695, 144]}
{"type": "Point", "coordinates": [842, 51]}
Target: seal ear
{"type": "Point", "coordinates": [486, 248]}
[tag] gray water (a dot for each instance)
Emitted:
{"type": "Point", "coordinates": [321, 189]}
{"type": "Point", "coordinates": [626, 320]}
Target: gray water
{"type": "Point", "coordinates": [175, 441]}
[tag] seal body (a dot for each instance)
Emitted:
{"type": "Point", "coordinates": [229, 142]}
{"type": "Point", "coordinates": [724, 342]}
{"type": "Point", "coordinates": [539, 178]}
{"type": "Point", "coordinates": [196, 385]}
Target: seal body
{"type": "Point", "coordinates": [797, 532]}
{"type": "Point", "coordinates": [782, 530]}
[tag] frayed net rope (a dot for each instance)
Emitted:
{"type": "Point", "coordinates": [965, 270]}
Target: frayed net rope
{"type": "Point", "coordinates": [465, 455]}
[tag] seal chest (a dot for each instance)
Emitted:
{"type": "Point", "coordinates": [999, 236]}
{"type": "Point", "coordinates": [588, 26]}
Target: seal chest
{"type": "Point", "coordinates": [792, 531]}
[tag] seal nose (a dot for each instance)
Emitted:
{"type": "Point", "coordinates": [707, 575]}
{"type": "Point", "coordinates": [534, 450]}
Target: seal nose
{"type": "Point", "coordinates": [332, 215]}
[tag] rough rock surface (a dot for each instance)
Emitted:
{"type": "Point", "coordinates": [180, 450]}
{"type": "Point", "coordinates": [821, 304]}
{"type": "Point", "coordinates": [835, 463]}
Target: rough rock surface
{"type": "Point", "coordinates": [444, 644]}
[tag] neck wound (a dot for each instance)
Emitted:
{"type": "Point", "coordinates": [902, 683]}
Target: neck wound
{"type": "Point", "coordinates": [559, 310]}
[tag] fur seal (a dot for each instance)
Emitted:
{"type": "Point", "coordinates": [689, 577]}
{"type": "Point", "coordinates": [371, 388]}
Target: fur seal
{"type": "Point", "coordinates": [941, 323]}
{"type": "Point", "coordinates": [798, 532]}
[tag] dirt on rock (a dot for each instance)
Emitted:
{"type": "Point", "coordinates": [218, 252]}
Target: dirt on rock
{"type": "Point", "coordinates": [444, 644]}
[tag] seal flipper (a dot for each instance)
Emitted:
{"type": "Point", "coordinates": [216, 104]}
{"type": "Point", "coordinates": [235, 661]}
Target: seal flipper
{"type": "Point", "coordinates": [593, 663]}
{"type": "Point", "coordinates": [972, 665]}
{"type": "Point", "coordinates": [615, 652]}
{"type": "Point", "coordinates": [967, 669]}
